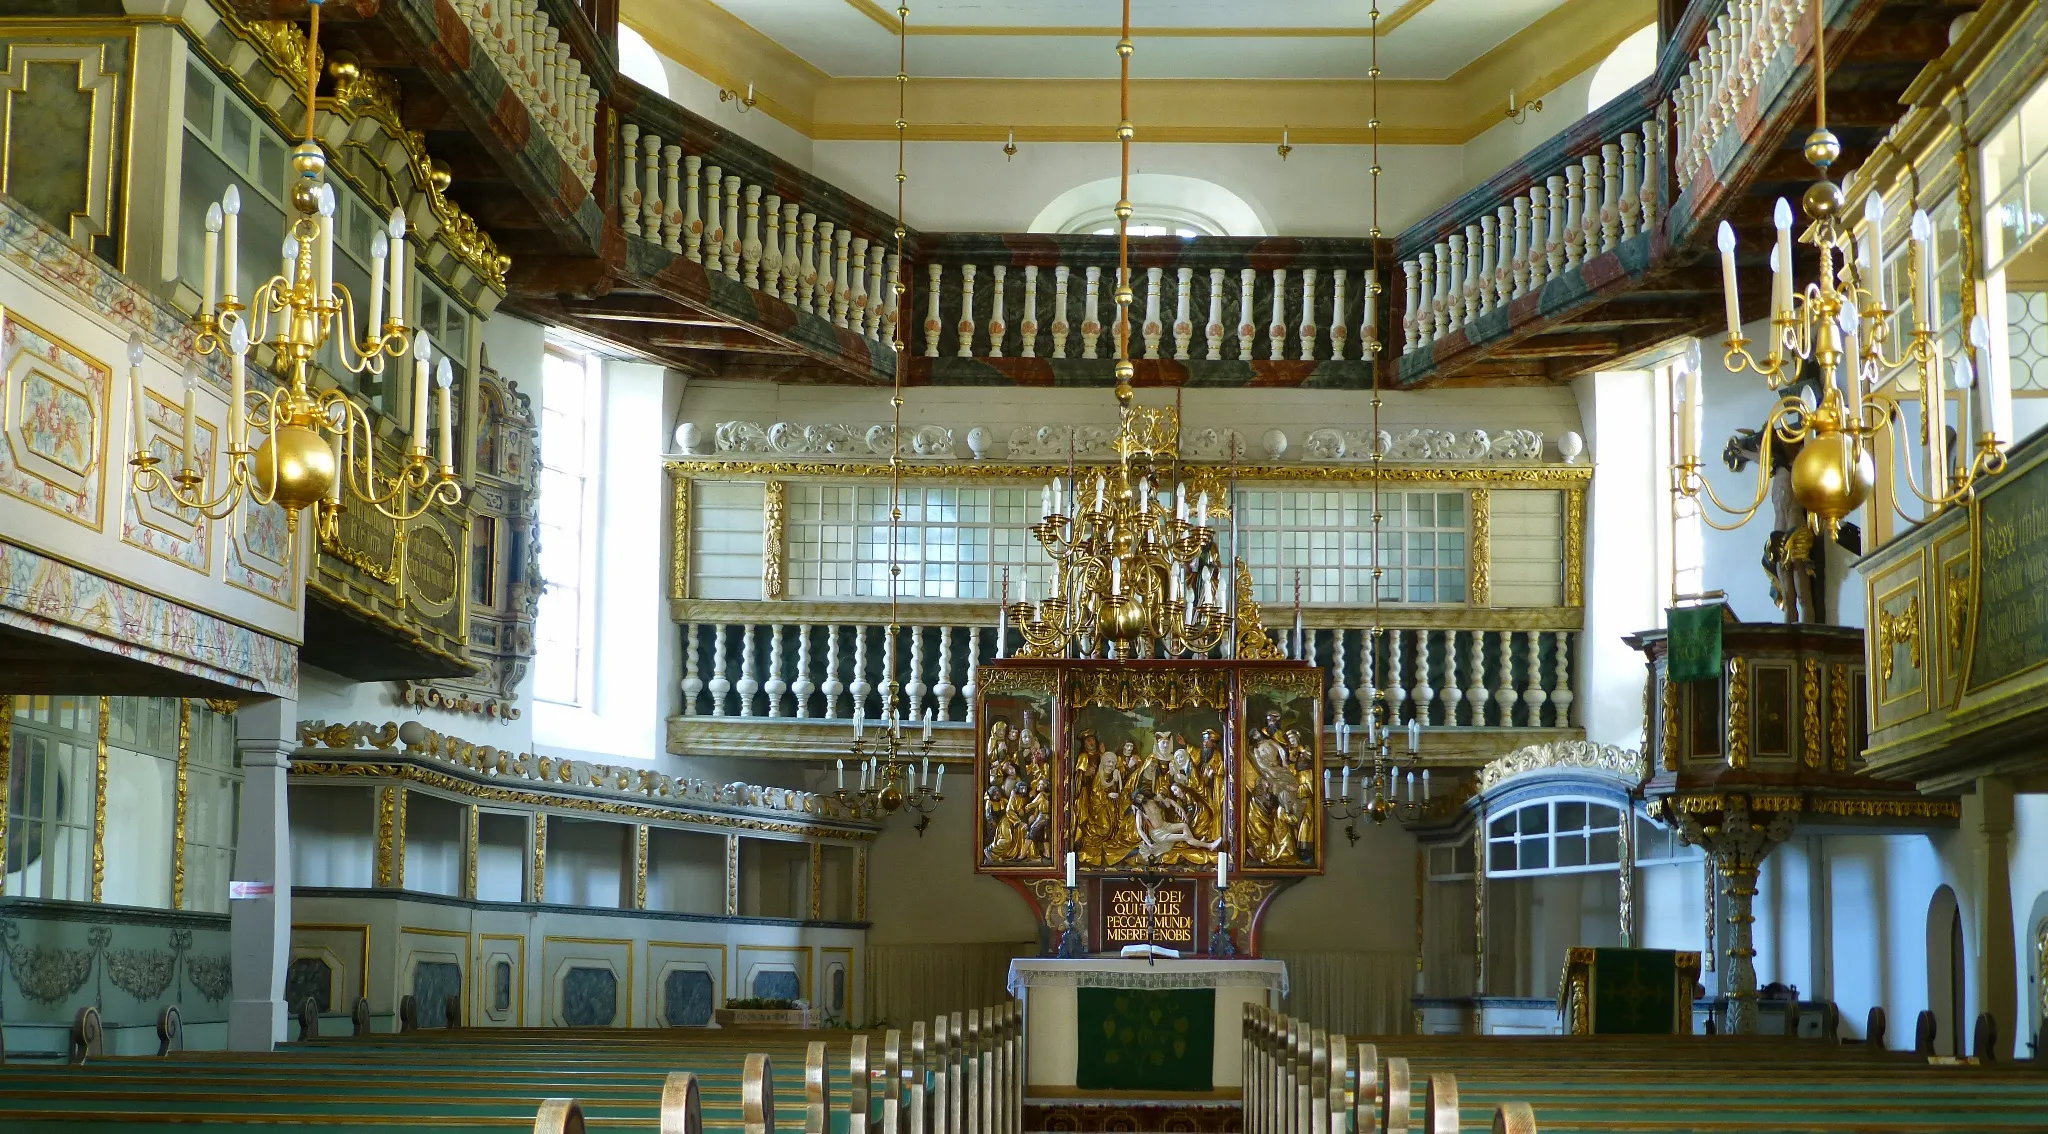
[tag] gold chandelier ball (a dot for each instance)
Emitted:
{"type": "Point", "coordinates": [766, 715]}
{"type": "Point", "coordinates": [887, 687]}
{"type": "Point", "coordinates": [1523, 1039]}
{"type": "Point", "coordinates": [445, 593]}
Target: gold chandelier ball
{"type": "Point", "coordinates": [1832, 476]}
{"type": "Point", "coordinates": [304, 466]}
{"type": "Point", "coordinates": [892, 798]}
{"type": "Point", "coordinates": [1823, 200]}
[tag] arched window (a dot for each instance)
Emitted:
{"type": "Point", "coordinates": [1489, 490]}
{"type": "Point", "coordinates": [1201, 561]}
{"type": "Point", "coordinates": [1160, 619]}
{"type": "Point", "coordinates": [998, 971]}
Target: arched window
{"type": "Point", "coordinates": [1162, 204]}
{"type": "Point", "coordinates": [1631, 61]}
{"type": "Point", "coordinates": [639, 61]}
{"type": "Point", "coordinates": [1554, 836]}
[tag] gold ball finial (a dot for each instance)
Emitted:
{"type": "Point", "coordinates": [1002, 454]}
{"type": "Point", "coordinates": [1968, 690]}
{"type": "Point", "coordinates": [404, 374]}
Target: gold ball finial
{"type": "Point", "coordinates": [343, 67]}
{"type": "Point", "coordinates": [1832, 477]}
{"type": "Point", "coordinates": [1823, 200]}
{"type": "Point", "coordinates": [309, 160]}
{"type": "Point", "coordinates": [439, 173]}
{"type": "Point", "coordinates": [1124, 47]}
{"type": "Point", "coordinates": [1823, 148]}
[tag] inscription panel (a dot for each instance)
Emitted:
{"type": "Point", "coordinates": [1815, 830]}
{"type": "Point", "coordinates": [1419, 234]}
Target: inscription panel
{"type": "Point", "coordinates": [1169, 922]}
{"type": "Point", "coordinates": [2010, 611]}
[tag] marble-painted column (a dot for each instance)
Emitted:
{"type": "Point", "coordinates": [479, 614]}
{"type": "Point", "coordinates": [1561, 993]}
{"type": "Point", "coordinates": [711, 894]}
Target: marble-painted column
{"type": "Point", "coordinates": [266, 732]}
{"type": "Point", "coordinates": [1736, 843]}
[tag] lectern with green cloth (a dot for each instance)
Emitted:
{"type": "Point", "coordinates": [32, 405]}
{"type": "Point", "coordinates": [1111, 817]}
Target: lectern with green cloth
{"type": "Point", "coordinates": [1113, 1025]}
{"type": "Point", "coordinates": [1623, 992]}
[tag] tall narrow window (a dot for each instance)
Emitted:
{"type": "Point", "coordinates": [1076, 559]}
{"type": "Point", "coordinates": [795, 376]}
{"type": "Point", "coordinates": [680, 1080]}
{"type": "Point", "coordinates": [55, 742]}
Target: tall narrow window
{"type": "Point", "coordinates": [569, 455]}
{"type": "Point", "coordinates": [1688, 554]}
{"type": "Point", "coordinates": [213, 809]}
{"type": "Point", "coordinates": [50, 798]}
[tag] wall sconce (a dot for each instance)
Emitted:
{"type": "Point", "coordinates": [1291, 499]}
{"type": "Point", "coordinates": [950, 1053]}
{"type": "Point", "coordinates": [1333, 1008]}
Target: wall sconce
{"type": "Point", "coordinates": [746, 101]}
{"type": "Point", "coordinates": [1519, 114]}
{"type": "Point", "coordinates": [1283, 148]}
{"type": "Point", "coordinates": [1010, 147]}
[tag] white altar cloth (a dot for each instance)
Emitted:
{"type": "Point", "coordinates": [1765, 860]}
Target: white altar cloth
{"type": "Point", "coordinates": [1048, 985]}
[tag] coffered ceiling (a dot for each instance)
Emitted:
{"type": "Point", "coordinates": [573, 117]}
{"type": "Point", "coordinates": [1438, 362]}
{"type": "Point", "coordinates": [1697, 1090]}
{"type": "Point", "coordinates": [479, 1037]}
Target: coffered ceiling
{"type": "Point", "coordinates": [1177, 39]}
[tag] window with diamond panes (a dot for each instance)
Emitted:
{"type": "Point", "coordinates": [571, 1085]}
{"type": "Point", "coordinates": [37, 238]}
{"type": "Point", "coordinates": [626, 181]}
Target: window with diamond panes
{"type": "Point", "coordinates": [1554, 836]}
{"type": "Point", "coordinates": [952, 542]}
{"type": "Point", "coordinates": [1326, 535]}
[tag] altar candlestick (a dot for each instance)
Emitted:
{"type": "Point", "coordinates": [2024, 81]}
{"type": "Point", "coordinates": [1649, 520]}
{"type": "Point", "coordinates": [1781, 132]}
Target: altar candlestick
{"type": "Point", "coordinates": [1072, 872]}
{"type": "Point", "coordinates": [1222, 869]}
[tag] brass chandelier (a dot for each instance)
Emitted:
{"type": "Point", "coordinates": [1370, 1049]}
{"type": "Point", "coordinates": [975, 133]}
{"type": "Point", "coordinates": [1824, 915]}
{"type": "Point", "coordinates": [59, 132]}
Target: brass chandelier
{"type": "Point", "coordinates": [1135, 566]}
{"type": "Point", "coordinates": [1841, 323]}
{"type": "Point", "coordinates": [892, 778]}
{"type": "Point", "coordinates": [313, 441]}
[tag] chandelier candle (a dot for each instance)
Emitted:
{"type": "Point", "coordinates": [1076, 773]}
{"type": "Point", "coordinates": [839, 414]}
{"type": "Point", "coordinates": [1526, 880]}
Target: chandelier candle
{"type": "Point", "coordinates": [230, 240]}
{"type": "Point", "coordinates": [135, 393]}
{"type": "Point", "coordinates": [210, 259]}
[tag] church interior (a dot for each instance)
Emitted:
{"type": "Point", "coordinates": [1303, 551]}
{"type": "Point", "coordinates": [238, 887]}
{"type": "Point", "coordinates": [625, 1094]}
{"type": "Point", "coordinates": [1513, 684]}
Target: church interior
{"type": "Point", "coordinates": [1024, 566]}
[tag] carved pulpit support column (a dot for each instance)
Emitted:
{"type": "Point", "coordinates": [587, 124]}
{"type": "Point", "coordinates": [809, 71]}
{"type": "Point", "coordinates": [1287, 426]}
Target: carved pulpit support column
{"type": "Point", "coordinates": [1736, 837]}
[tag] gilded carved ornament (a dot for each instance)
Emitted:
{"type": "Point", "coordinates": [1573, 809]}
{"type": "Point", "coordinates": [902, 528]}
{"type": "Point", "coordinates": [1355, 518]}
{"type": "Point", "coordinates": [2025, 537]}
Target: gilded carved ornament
{"type": "Point", "coordinates": [1480, 591]}
{"type": "Point", "coordinates": [1568, 755]}
{"type": "Point", "coordinates": [1548, 476]}
{"type": "Point", "coordinates": [1898, 629]}
{"type": "Point", "coordinates": [1670, 702]}
{"type": "Point", "coordinates": [1253, 643]}
{"type": "Point", "coordinates": [1738, 712]}
{"type": "Point", "coordinates": [1809, 720]}
{"type": "Point", "coordinates": [1838, 718]}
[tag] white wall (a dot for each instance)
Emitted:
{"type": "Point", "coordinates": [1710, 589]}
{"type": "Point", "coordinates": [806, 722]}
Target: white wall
{"type": "Point", "coordinates": [1628, 515]}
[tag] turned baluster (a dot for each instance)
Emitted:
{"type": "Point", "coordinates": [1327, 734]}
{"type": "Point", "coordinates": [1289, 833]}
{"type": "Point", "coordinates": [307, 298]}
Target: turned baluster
{"type": "Point", "coordinates": [802, 688]}
{"type": "Point", "coordinates": [672, 198]}
{"type": "Point", "coordinates": [1452, 695]}
{"type": "Point", "coordinates": [931, 316]}
{"type": "Point", "coordinates": [1246, 329]}
{"type": "Point", "coordinates": [773, 688]}
{"type": "Point", "coordinates": [1535, 268]}
{"type": "Point", "coordinates": [1307, 330]}
{"type": "Point", "coordinates": [1628, 208]}
{"type": "Point", "coordinates": [720, 684]}
{"type": "Point", "coordinates": [1655, 154]}
{"type": "Point", "coordinates": [963, 330]}
{"type": "Point", "coordinates": [1091, 325]}
{"type": "Point", "coordinates": [650, 196]}
{"type": "Point", "coordinates": [997, 327]}
{"type": "Point", "coordinates": [1475, 676]}
{"type": "Point", "coordinates": [629, 185]}
{"type": "Point", "coordinates": [832, 687]}
{"type": "Point", "coordinates": [1411, 315]}
{"type": "Point", "coordinates": [1468, 293]}
{"type": "Point", "coordinates": [1504, 693]}
{"type": "Point", "coordinates": [942, 685]}
{"type": "Point", "coordinates": [748, 684]}
{"type": "Point", "coordinates": [1561, 695]}
{"type": "Point", "coordinates": [1488, 237]}
{"type": "Point", "coordinates": [806, 265]}
{"type": "Point", "coordinates": [914, 690]}
{"type": "Point", "coordinates": [857, 300]}
{"type": "Point", "coordinates": [714, 214]}
{"type": "Point", "coordinates": [1454, 294]}
{"type": "Point", "coordinates": [842, 288]}
{"type": "Point", "coordinates": [1557, 186]}
{"type": "Point", "coordinates": [1214, 331]}
{"type": "Point", "coordinates": [1340, 335]}
{"type": "Point", "coordinates": [1534, 696]}
{"type": "Point", "coordinates": [859, 687]}
{"type": "Point", "coordinates": [1061, 328]}
{"type": "Point", "coordinates": [791, 267]}
{"type": "Point", "coordinates": [1027, 327]}
{"type": "Point", "coordinates": [1397, 686]}
{"type": "Point", "coordinates": [1340, 693]}
{"type": "Point", "coordinates": [878, 301]}
{"type": "Point", "coordinates": [1610, 196]}
{"type": "Point", "coordinates": [1276, 324]}
{"type": "Point", "coordinates": [1575, 216]}
{"type": "Point", "coordinates": [892, 309]}
{"type": "Point", "coordinates": [1503, 255]}
{"type": "Point", "coordinates": [822, 292]}
{"type": "Point", "coordinates": [1425, 693]}
{"type": "Point", "coordinates": [693, 209]}
{"type": "Point", "coordinates": [733, 234]}
{"type": "Point", "coordinates": [1152, 330]}
{"type": "Point", "coordinates": [771, 245]}
{"type": "Point", "coordinates": [1183, 321]}
{"type": "Point", "coordinates": [692, 684]}
{"type": "Point", "coordinates": [971, 690]}
{"type": "Point", "coordinates": [1589, 208]}
{"type": "Point", "coordinates": [750, 238]}
{"type": "Point", "coordinates": [1440, 298]}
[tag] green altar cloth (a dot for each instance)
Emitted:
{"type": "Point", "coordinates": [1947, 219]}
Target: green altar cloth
{"type": "Point", "coordinates": [1695, 652]}
{"type": "Point", "coordinates": [1146, 1039]}
{"type": "Point", "coordinates": [1635, 991]}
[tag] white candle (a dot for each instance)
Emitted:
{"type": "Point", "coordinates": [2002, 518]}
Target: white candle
{"type": "Point", "coordinates": [323, 252]}
{"type": "Point", "coordinates": [289, 257]}
{"type": "Point", "coordinates": [191, 451]}
{"type": "Point", "coordinates": [1923, 237]}
{"type": "Point", "coordinates": [422, 354]}
{"type": "Point", "coordinates": [1726, 239]}
{"type": "Point", "coordinates": [859, 722]}
{"type": "Point", "coordinates": [924, 778]}
{"type": "Point", "coordinates": [1873, 216]}
{"type": "Point", "coordinates": [1345, 780]}
{"type": "Point", "coordinates": [1073, 871]}
{"type": "Point", "coordinates": [842, 772]}
{"type": "Point", "coordinates": [380, 253]}
{"type": "Point", "coordinates": [396, 229]}
{"type": "Point", "coordinates": [1202, 510]}
{"type": "Point", "coordinates": [1781, 218]}
{"type": "Point", "coordinates": [1222, 869]}
{"type": "Point", "coordinates": [1045, 502]}
{"type": "Point", "coordinates": [1415, 734]}
{"type": "Point", "coordinates": [1116, 576]}
{"type": "Point", "coordinates": [230, 239]}
{"type": "Point", "coordinates": [1372, 307]}
{"type": "Point", "coordinates": [334, 486]}
{"type": "Point", "coordinates": [927, 724]}
{"type": "Point", "coordinates": [446, 380]}
{"type": "Point", "coordinates": [1411, 787]}
{"type": "Point", "coordinates": [136, 394]}
{"type": "Point", "coordinates": [1425, 783]}
{"type": "Point", "coordinates": [210, 260]}
{"type": "Point", "coordinates": [238, 383]}
{"type": "Point", "coordinates": [941, 788]}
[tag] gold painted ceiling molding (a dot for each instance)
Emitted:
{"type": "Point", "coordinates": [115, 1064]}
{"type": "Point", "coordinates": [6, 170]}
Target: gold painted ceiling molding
{"type": "Point", "coordinates": [713, 43]}
{"type": "Point", "coordinates": [886, 20]}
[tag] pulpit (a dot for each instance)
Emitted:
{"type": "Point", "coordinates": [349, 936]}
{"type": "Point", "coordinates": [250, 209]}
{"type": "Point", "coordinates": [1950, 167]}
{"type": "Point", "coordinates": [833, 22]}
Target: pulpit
{"type": "Point", "coordinates": [1104, 1024]}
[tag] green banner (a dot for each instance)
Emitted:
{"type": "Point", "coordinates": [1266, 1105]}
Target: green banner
{"type": "Point", "coordinates": [1635, 992]}
{"type": "Point", "coordinates": [1695, 642]}
{"type": "Point", "coordinates": [1146, 1039]}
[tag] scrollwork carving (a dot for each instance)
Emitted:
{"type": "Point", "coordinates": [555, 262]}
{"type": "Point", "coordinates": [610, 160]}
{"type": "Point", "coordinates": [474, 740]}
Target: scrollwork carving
{"type": "Point", "coordinates": [1566, 755]}
{"type": "Point", "coordinates": [791, 439]}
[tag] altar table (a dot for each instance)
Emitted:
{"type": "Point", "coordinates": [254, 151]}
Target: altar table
{"type": "Point", "coordinates": [1050, 989]}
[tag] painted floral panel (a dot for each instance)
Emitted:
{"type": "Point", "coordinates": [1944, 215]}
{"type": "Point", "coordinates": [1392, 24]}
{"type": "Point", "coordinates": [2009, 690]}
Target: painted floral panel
{"type": "Point", "coordinates": [53, 446]}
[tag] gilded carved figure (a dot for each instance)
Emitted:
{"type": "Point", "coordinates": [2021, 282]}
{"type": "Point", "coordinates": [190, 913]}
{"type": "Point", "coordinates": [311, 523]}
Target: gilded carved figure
{"type": "Point", "coordinates": [1152, 795]}
{"type": "Point", "coordinates": [1016, 793]}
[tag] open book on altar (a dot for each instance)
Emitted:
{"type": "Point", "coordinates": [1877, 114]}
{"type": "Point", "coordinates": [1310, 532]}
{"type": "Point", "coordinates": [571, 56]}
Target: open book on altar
{"type": "Point", "coordinates": [1150, 951]}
